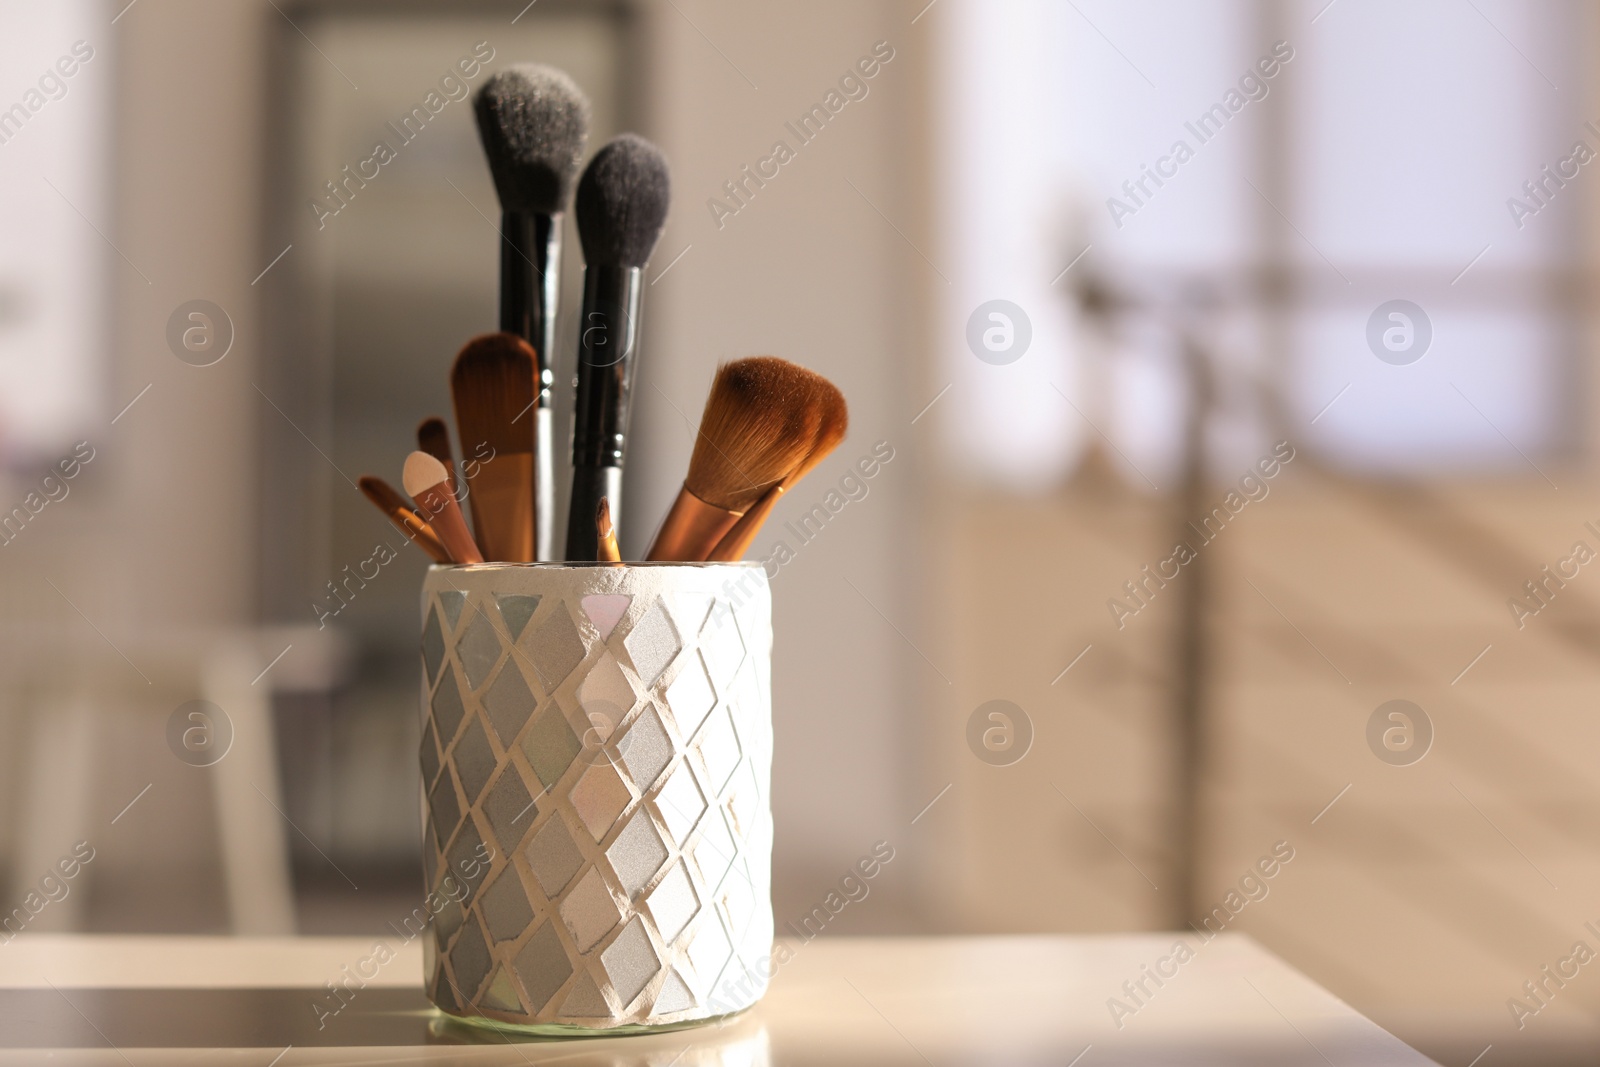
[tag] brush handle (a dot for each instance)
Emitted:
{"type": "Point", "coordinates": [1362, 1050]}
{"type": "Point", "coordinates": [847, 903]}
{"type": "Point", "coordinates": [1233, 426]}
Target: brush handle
{"type": "Point", "coordinates": [590, 485]}
{"type": "Point", "coordinates": [530, 295]}
{"type": "Point", "coordinates": [436, 505]}
{"type": "Point", "coordinates": [608, 335]}
{"type": "Point", "coordinates": [544, 484]}
{"type": "Point", "coordinates": [607, 552]}
{"type": "Point", "coordinates": [690, 531]}
{"type": "Point", "coordinates": [736, 542]}
{"type": "Point", "coordinates": [408, 522]}
{"type": "Point", "coordinates": [502, 492]}
{"type": "Point", "coordinates": [421, 534]}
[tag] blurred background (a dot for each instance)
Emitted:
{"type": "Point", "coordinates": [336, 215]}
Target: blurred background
{"type": "Point", "coordinates": [1233, 365]}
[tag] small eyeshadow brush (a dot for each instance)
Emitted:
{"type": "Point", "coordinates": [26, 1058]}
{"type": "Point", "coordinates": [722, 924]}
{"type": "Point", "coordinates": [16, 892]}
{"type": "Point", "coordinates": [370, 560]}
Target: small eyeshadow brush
{"type": "Point", "coordinates": [433, 437]}
{"type": "Point", "coordinates": [428, 483]}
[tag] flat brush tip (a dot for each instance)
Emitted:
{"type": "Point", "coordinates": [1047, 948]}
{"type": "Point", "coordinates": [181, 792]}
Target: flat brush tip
{"type": "Point", "coordinates": [422, 472]}
{"type": "Point", "coordinates": [505, 351]}
{"type": "Point", "coordinates": [492, 387]}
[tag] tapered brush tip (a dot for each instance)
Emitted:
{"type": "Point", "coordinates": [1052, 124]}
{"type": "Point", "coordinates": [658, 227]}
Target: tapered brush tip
{"type": "Point", "coordinates": [762, 419]}
{"type": "Point", "coordinates": [422, 472]}
{"type": "Point", "coordinates": [622, 202]}
{"type": "Point", "coordinates": [533, 121]}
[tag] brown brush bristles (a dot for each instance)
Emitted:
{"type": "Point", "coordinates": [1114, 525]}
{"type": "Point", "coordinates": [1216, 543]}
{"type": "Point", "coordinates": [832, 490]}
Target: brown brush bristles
{"type": "Point", "coordinates": [834, 424]}
{"type": "Point", "coordinates": [492, 387]}
{"type": "Point", "coordinates": [760, 421]}
{"type": "Point", "coordinates": [433, 437]}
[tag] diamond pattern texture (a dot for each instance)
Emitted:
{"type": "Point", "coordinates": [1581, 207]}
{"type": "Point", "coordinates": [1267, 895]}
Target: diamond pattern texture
{"type": "Point", "coordinates": [452, 601]}
{"type": "Point", "coordinates": [652, 644]}
{"type": "Point", "coordinates": [556, 648]}
{"type": "Point", "coordinates": [551, 746]}
{"type": "Point", "coordinates": [605, 693]}
{"type": "Point", "coordinates": [432, 648]}
{"type": "Point", "coordinates": [509, 702]}
{"type": "Point", "coordinates": [621, 885]}
{"type": "Point", "coordinates": [631, 961]}
{"type": "Point", "coordinates": [473, 759]}
{"type": "Point", "coordinates": [516, 611]}
{"type": "Point", "coordinates": [543, 965]}
{"type": "Point", "coordinates": [509, 809]}
{"type": "Point", "coordinates": [645, 749]}
{"type": "Point", "coordinates": [637, 853]}
{"type": "Point", "coordinates": [605, 610]}
{"type": "Point", "coordinates": [506, 911]}
{"type": "Point", "coordinates": [478, 650]}
{"type": "Point", "coordinates": [691, 696]}
{"type": "Point", "coordinates": [448, 710]}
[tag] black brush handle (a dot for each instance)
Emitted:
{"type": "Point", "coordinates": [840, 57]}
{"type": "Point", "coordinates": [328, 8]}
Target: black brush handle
{"type": "Point", "coordinates": [530, 293]}
{"type": "Point", "coordinates": [608, 337]}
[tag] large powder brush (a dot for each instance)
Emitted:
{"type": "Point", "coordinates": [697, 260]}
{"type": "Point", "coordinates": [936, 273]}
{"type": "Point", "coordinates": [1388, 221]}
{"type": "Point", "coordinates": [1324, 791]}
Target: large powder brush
{"type": "Point", "coordinates": [762, 419]}
{"type": "Point", "coordinates": [533, 121]}
{"type": "Point", "coordinates": [831, 430]}
{"type": "Point", "coordinates": [621, 207]}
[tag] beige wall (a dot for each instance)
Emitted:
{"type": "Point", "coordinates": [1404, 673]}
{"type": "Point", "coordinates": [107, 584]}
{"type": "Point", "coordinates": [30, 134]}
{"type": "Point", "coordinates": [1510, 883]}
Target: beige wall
{"type": "Point", "coordinates": [155, 548]}
{"type": "Point", "coordinates": [159, 549]}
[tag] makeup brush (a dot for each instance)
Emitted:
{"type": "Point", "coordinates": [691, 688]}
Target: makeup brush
{"type": "Point", "coordinates": [831, 430]}
{"type": "Point", "coordinates": [433, 437]}
{"type": "Point", "coordinates": [393, 505]}
{"type": "Point", "coordinates": [428, 483]}
{"type": "Point", "coordinates": [492, 387]}
{"type": "Point", "coordinates": [607, 535]}
{"type": "Point", "coordinates": [533, 121]}
{"type": "Point", "coordinates": [761, 419]}
{"type": "Point", "coordinates": [621, 206]}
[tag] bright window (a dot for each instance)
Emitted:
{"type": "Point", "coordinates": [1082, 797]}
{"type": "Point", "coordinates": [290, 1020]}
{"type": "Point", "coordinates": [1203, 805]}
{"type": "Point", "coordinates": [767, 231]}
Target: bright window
{"type": "Point", "coordinates": [1303, 170]}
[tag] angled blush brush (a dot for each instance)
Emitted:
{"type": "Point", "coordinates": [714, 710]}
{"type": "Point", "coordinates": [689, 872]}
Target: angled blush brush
{"type": "Point", "coordinates": [533, 121]}
{"type": "Point", "coordinates": [428, 483]}
{"type": "Point", "coordinates": [621, 207]}
{"type": "Point", "coordinates": [761, 419]}
{"type": "Point", "coordinates": [433, 437]}
{"type": "Point", "coordinates": [394, 506]}
{"type": "Point", "coordinates": [492, 386]}
{"type": "Point", "coordinates": [830, 431]}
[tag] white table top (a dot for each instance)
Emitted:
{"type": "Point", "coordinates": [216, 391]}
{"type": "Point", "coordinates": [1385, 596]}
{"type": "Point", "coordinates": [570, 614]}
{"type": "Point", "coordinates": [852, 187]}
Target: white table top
{"type": "Point", "coordinates": [992, 1000]}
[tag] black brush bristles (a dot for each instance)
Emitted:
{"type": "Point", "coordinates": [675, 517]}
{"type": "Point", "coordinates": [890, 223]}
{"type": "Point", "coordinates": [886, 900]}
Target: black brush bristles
{"type": "Point", "coordinates": [534, 124]}
{"type": "Point", "coordinates": [622, 202]}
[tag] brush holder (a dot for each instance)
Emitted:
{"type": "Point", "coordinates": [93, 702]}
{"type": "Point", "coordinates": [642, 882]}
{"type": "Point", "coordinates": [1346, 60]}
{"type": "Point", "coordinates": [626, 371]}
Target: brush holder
{"type": "Point", "coordinates": [596, 761]}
